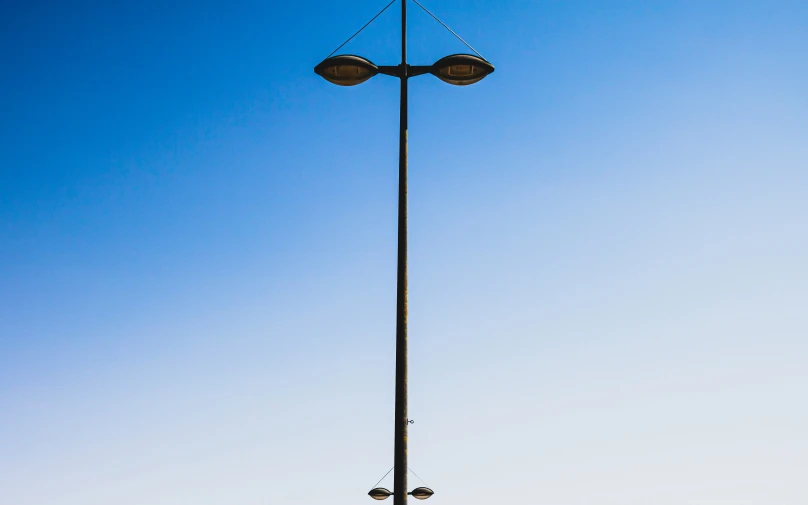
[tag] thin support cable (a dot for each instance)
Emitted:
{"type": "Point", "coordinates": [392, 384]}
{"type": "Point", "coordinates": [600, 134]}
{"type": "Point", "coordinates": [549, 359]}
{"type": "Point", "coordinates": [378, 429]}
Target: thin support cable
{"type": "Point", "coordinates": [410, 469]}
{"type": "Point", "coordinates": [357, 33]}
{"type": "Point", "coordinates": [444, 25]}
{"type": "Point", "coordinates": [388, 471]}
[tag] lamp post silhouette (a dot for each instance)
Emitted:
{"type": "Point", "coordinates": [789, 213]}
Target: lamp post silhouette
{"type": "Point", "coordinates": [350, 70]}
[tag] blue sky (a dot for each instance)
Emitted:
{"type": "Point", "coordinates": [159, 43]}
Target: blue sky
{"type": "Point", "coordinates": [608, 243]}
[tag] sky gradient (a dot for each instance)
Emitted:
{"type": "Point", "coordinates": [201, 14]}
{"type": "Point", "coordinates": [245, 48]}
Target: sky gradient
{"type": "Point", "coordinates": [608, 243]}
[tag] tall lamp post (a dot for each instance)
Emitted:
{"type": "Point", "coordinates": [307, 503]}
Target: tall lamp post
{"type": "Point", "coordinates": [350, 70]}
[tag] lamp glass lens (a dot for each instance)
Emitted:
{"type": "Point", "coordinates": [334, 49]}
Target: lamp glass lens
{"type": "Point", "coordinates": [347, 75]}
{"type": "Point", "coordinates": [460, 70]}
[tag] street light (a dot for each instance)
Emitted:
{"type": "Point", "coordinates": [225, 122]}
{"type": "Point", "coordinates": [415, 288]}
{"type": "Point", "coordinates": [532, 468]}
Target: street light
{"type": "Point", "coordinates": [457, 69]}
{"type": "Point", "coordinates": [350, 70]}
{"type": "Point", "coordinates": [420, 493]}
{"type": "Point", "coordinates": [346, 70]}
{"type": "Point", "coordinates": [380, 493]}
{"type": "Point", "coordinates": [461, 69]}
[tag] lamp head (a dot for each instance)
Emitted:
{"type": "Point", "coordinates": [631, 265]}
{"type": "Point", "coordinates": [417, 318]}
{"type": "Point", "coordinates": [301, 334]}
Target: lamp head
{"type": "Point", "coordinates": [380, 493]}
{"type": "Point", "coordinates": [421, 493]}
{"type": "Point", "coordinates": [461, 69]}
{"type": "Point", "coordinates": [346, 70]}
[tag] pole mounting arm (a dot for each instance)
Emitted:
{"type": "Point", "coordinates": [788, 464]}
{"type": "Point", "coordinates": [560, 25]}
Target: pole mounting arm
{"type": "Point", "coordinates": [411, 70]}
{"type": "Point", "coordinates": [392, 70]}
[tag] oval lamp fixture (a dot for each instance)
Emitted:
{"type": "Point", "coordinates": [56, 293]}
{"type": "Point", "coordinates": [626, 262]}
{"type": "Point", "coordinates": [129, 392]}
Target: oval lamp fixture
{"type": "Point", "coordinates": [346, 70]}
{"type": "Point", "coordinates": [380, 493]}
{"type": "Point", "coordinates": [461, 69]}
{"type": "Point", "coordinates": [422, 493]}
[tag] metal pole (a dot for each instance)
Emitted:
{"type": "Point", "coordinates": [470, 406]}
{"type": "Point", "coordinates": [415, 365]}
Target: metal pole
{"type": "Point", "coordinates": [401, 421]}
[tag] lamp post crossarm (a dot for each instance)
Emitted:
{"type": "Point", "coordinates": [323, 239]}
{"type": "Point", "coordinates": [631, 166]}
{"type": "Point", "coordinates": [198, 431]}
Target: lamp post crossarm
{"type": "Point", "coordinates": [412, 70]}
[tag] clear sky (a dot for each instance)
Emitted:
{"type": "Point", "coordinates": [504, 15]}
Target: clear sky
{"type": "Point", "coordinates": [608, 279]}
